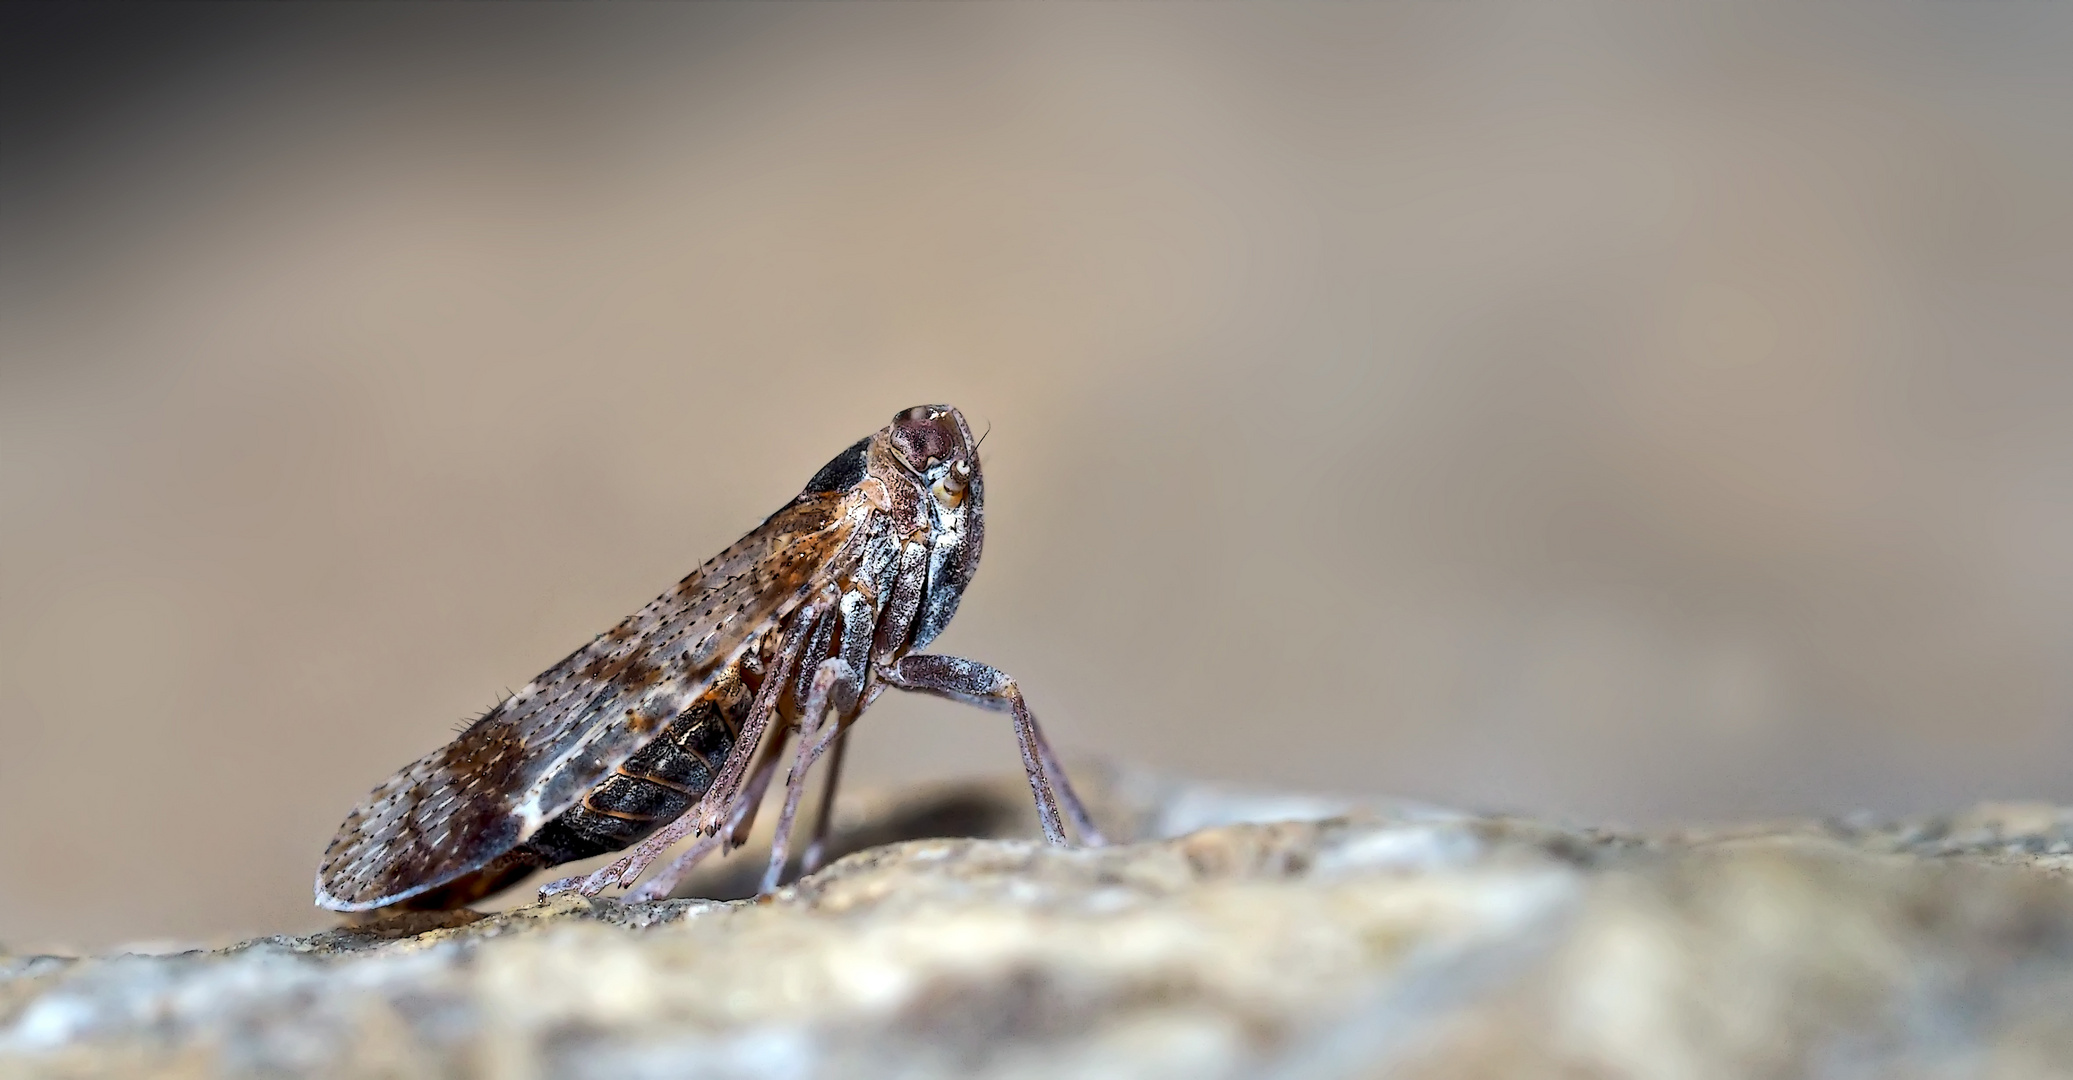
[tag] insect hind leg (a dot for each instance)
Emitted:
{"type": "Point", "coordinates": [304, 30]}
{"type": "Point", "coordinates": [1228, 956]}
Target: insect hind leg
{"type": "Point", "coordinates": [975, 683]}
{"type": "Point", "coordinates": [628, 869]}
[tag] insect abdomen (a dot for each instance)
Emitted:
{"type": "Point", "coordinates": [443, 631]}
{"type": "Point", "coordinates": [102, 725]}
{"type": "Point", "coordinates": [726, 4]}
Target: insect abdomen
{"type": "Point", "coordinates": [657, 784]}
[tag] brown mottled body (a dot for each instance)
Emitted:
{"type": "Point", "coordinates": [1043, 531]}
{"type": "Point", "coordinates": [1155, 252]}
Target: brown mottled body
{"type": "Point", "coordinates": [675, 721]}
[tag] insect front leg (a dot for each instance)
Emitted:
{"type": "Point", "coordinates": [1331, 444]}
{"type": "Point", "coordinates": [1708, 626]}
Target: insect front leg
{"type": "Point", "coordinates": [838, 682]}
{"type": "Point", "coordinates": [824, 815]}
{"type": "Point", "coordinates": [712, 812]}
{"type": "Point", "coordinates": [975, 683]}
{"type": "Point", "coordinates": [834, 684]}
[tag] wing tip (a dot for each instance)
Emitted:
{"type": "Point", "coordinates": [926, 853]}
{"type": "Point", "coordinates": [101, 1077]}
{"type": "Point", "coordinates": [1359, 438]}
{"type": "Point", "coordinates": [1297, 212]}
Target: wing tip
{"type": "Point", "coordinates": [325, 900]}
{"type": "Point", "coordinates": [329, 901]}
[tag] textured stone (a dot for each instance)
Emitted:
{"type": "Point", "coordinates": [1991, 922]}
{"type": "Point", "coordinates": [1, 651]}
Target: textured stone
{"type": "Point", "coordinates": [1242, 936]}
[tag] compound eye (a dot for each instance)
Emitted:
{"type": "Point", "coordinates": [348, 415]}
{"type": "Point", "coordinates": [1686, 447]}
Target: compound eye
{"type": "Point", "coordinates": [924, 438]}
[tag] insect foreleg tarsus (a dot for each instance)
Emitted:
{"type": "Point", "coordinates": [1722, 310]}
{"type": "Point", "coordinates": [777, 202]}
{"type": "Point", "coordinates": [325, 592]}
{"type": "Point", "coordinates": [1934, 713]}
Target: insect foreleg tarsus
{"type": "Point", "coordinates": [975, 683]}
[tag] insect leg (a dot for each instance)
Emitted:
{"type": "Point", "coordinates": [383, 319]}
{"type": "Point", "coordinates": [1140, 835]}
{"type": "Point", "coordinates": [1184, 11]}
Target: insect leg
{"type": "Point", "coordinates": [834, 683]}
{"type": "Point", "coordinates": [713, 810]}
{"type": "Point", "coordinates": [861, 627]}
{"type": "Point", "coordinates": [628, 868]}
{"type": "Point", "coordinates": [1070, 799]}
{"type": "Point", "coordinates": [824, 814]}
{"type": "Point", "coordinates": [717, 815]}
{"type": "Point", "coordinates": [742, 819]}
{"type": "Point", "coordinates": [902, 602]}
{"type": "Point", "coordinates": [975, 683]}
{"type": "Point", "coordinates": [624, 870]}
{"type": "Point", "coordinates": [817, 848]}
{"type": "Point", "coordinates": [730, 834]}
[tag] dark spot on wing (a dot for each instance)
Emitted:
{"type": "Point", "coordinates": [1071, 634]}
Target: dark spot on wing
{"type": "Point", "coordinates": [489, 754]}
{"type": "Point", "coordinates": [445, 812]}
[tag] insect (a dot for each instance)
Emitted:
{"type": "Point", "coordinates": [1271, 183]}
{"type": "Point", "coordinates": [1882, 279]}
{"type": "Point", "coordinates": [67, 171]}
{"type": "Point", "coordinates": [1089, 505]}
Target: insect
{"type": "Point", "coordinates": [674, 722]}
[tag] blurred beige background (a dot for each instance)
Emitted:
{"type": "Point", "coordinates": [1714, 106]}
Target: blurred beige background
{"type": "Point", "coordinates": [1635, 413]}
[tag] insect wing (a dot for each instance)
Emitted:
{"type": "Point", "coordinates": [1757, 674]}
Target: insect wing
{"type": "Point", "coordinates": [537, 753]}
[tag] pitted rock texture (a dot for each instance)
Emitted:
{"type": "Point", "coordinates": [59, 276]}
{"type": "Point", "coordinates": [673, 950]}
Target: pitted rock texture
{"type": "Point", "coordinates": [1338, 942]}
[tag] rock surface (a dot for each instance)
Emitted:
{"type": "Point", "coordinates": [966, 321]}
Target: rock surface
{"type": "Point", "coordinates": [1238, 937]}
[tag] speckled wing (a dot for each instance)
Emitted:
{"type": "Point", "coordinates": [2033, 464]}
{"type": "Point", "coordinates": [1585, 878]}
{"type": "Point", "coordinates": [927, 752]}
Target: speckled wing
{"type": "Point", "coordinates": [540, 750]}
